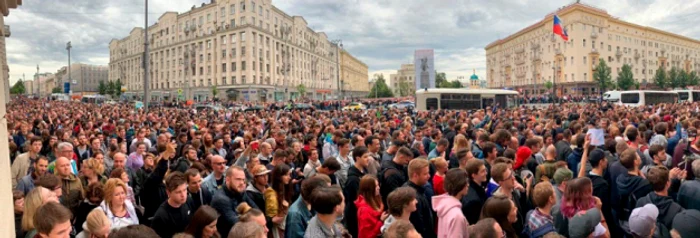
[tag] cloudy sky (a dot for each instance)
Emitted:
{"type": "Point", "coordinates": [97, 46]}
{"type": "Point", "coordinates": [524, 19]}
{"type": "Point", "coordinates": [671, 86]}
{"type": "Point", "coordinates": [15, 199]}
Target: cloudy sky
{"type": "Point", "coordinates": [381, 33]}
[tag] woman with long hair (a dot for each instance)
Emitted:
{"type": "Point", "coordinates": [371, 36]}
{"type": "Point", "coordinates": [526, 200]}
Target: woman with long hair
{"type": "Point", "coordinates": [203, 223]}
{"type": "Point", "coordinates": [577, 197]}
{"type": "Point", "coordinates": [278, 197]}
{"type": "Point", "coordinates": [504, 211]}
{"type": "Point", "coordinates": [92, 172]}
{"type": "Point", "coordinates": [246, 213]}
{"type": "Point", "coordinates": [370, 210]}
{"type": "Point", "coordinates": [124, 177]}
{"type": "Point", "coordinates": [460, 143]}
{"type": "Point", "coordinates": [119, 210]}
{"type": "Point", "coordinates": [34, 199]}
{"type": "Point", "coordinates": [135, 159]}
{"type": "Point", "coordinates": [96, 225]}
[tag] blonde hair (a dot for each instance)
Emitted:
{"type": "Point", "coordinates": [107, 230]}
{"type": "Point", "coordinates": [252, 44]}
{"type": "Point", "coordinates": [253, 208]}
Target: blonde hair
{"type": "Point", "coordinates": [439, 162]}
{"type": "Point", "coordinates": [461, 142]}
{"type": "Point", "coordinates": [249, 229]}
{"type": "Point", "coordinates": [109, 188]}
{"type": "Point", "coordinates": [32, 202]}
{"type": "Point", "coordinates": [95, 165]}
{"type": "Point", "coordinates": [96, 220]}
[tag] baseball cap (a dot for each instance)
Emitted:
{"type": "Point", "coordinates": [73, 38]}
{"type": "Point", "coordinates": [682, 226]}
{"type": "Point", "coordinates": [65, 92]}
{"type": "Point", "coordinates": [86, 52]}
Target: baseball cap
{"type": "Point", "coordinates": [643, 219]}
{"type": "Point", "coordinates": [596, 156]}
{"type": "Point", "coordinates": [584, 224]}
{"type": "Point", "coordinates": [562, 174]}
{"type": "Point", "coordinates": [260, 170]}
{"type": "Point", "coordinates": [686, 223]}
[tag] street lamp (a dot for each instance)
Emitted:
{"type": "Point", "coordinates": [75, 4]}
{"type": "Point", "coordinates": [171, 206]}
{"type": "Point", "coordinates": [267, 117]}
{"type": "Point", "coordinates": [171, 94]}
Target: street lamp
{"type": "Point", "coordinates": [339, 45]}
{"type": "Point", "coordinates": [68, 47]}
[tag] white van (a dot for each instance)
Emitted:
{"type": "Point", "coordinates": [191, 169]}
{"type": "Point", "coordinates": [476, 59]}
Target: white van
{"type": "Point", "coordinates": [612, 96]}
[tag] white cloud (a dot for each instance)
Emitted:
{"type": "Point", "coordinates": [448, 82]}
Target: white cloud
{"type": "Point", "coordinates": [383, 34]}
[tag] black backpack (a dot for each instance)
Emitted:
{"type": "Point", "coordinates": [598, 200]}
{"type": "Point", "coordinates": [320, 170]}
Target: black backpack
{"type": "Point", "coordinates": [627, 204]}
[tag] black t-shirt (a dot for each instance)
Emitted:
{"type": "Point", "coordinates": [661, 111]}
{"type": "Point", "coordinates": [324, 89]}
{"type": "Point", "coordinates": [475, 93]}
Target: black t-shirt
{"type": "Point", "coordinates": [219, 182]}
{"type": "Point", "coordinates": [168, 220]}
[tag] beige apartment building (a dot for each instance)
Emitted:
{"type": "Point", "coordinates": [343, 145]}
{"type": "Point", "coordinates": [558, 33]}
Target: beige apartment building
{"type": "Point", "coordinates": [532, 56]}
{"type": "Point", "coordinates": [354, 76]}
{"type": "Point", "coordinates": [406, 75]}
{"type": "Point", "coordinates": [247, 50]}
{"type": "Point", "coordinates": [84, 78]}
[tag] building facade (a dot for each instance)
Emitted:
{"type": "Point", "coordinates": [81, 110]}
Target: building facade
{"type": "Point", "coordinates": [83, 78]}
{"type": "Point", "coordinates": [354, 76]}
{"type": "Point", "coordinates": [404, 76]}
{"type": "Point", "coordinates": [247, 50]}
{"type": "Point", "coordinates": [533, 56]}
{"type": "Point", "coordinates": [28, 87]}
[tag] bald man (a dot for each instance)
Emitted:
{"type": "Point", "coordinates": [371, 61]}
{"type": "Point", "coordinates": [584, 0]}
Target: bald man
{"type": "Point", "coordinates": [215, 180]}
{"type": "Point", "coordinates": [265, 155]}
{"type": "Point", "coordinates": [71, 186]}
{"type": "Point", "coordinates": [120, 162]}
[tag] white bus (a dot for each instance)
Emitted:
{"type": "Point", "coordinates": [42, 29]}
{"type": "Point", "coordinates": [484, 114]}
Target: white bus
{"type": "Point", "coordinates": [688, 95]}
{"type": "Point", "coordinates": [641, 98]}
{"type": "Point", "coordinates": [59, 97]}
{"type": "Point", "coordinates": [95, 99]}
{"type": "Point", "coordinates": [463, 99]}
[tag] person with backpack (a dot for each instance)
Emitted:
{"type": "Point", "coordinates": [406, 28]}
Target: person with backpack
{"type": "Point", "coordinates": [660, 178]}
{"type": "Point", "coordinates": [393, 174]}
{"type": "Point", "coordinates": [539, 220]}
{"type": "Point", "coordinates": [630, 187]}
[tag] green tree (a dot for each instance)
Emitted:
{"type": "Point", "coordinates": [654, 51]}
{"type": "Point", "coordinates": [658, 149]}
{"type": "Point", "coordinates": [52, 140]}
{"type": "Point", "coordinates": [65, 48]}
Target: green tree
{"type": "Point", "coordinates": [625, 78]}
{"type": "Point", "coordinates": [117, 88]}
{"type": "Point", "coordinates": [214, 91]}
{"type": "Point", "coordinates": [636, 85]}
{"type": "Point", "coordinates": [110, 88]}
{"type": "Point", "coordinates": [301, 88]}
{"type": "Point", "coordinates": [548, 85]}
{"type": "Point", "coordinates": [660, 78]}
{"type": "Point", "coordinates": [102, 88]}
{"type": "Point", "coordinates": [674, 80]}
{"type": "Point", "coordinates": [380, 89]}
{"type": "Point", "coordinates": [57, 90]}
{"type": "Point", "coordinates": [441, 80]}
{"type": "Point", "coordinates": [693, 79]}
{"type": "Point", "coordinates": [602, 76]}
{"type": "Point", "coordinates": [404, 89]}
{"type": "Point", "coordinates": [683, 79]}
{"type": "Point", "coordinates": [18, 88]}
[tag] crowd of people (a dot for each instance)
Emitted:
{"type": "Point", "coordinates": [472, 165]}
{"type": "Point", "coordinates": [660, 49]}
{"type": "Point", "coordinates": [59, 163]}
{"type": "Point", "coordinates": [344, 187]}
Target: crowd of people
{"type": "Point", "coordinates": [85, 170]}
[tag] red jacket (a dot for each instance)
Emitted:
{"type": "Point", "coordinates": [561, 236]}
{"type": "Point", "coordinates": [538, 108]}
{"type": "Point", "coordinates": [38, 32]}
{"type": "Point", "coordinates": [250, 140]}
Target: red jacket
{"type": "Point", "coordinates": [368, 219]}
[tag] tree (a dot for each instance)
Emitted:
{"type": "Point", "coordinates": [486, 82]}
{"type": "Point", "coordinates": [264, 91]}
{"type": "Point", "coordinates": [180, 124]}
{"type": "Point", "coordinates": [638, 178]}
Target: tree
{"type": "Point", "coordinates": [625, 78]}
{"type": "Point", "coordinates": [683, 79]}
{"type": "Point", "coordinates": [404, 89]}
{"type": "Point", "coordinates": [693, 79]}
{"type": "Point", "coordinates": [602, 76]}
{"type": "Point", "coordinates": [117, 88]}
{"type": "Point", "coordinates": [441, 80]}
{"type": "Point", "coordinates": [57, 90]}
{"type": "Point", "coordinates": [380, 89]}
{"type": "Point", "coordinates": [109, 88]}
{"type": "Point", "coordinates": [548, 85]}
{"type": "Point", "coordinates": [660, 78]}
{"type": "Point", "coordinates": [674, 80]}
{"type": "Point", "coordinates": [102, 88]}
{"type": "Point", "coordinates": [214, 91]}
{"type": "Point", "coordinates": [636, 85]}
{"type": "Point", "coordinates": [18, 88]}
{"type": "Point", "coordinates": [301, 88]}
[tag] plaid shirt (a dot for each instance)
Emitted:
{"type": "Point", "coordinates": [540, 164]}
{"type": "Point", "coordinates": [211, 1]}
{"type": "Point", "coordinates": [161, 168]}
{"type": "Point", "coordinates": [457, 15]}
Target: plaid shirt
{"type": "Point", "coordinates": [537, 219]}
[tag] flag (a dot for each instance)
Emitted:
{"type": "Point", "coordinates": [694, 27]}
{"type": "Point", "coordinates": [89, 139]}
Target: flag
{"type": "Point", "coordinates": [559, 29]}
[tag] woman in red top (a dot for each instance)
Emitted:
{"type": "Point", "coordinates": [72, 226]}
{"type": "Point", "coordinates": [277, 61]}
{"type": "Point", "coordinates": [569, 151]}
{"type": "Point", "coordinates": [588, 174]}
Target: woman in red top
{"type": "Point", "coordinates": [439, 178]}
{"type": "Point", "coordinates": [370, 210]}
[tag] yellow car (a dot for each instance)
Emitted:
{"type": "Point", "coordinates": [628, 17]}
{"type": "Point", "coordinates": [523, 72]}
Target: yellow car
{"type": "Point", "coordinates": [355, 106]}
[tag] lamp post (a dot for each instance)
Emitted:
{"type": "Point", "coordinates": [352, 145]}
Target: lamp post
{"type": "Point", "coordinates": [145, 59]}
{"type": "Point", "coordinates": [68, 47]}
{"type": "Point", "coordinates": [339, 45]}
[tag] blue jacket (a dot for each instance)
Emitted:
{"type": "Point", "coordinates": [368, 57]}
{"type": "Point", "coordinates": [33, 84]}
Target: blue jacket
{"type": "Point", "coordinates": [574, 160]}
{"type": "Point", "coordinates": [209, 183]}
{"type": "Point", "coordinates": [673, 141]}
{"type": "Point", "coordinates": [25, 184]}
{"type": "Point", "coordinates": [225, 202]}
{"type": "Point", "coordinates": [297, 219]}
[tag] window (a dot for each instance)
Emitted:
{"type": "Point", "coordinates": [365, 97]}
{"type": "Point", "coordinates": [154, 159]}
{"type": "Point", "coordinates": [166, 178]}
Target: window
{"type": "Point", "coordinates": [223, 40]}
{"type": "Point", "coordinates": [243, 79]}
{"type": "Point", "coordinates": [253, 64]}
{"type": "Point", "coordinates": [223, 68]}
{"type": "Point", "coordinates": [585, 61]}
{"type": "Point", "coordinates": [233, 38]}
{"type": "Point", "coordinates": [223, 12]}
{"type": "Point", "coordinates": [201, 20]}
{"type": "Point", "coordinates": [208, 57]}
{"type": "Point", "coordinates": [242, 50]}
{"type": "Point", "coordinates": [208, 70]}
{"type": "Point", "coordinates": [584, 40]}
{"type": "Point", "coordinates": [242, 21]}
{"type": "Point", "coordinates": [201, 70]}
{"type": "Point", "coordinates": [585, 76]}
{"type": "Point", "coordinates": [208, 44]}
{"type": "Point", "coordinates": [233, 52]}
{"type": "Point", "coordinates": [242, 6]}
{"type": "Point", "coordinates": [252, 4]}
{"type": "Point", "coordinates": [223, 53]}
{"type": "Point", "coordinates": [233, 9]}
{"type": "Point", "coordinates": [243, 65]}
{"type": "Point", "coordinates": [593, 44]}
{"type": "Point", "coordinates": [260, 11]}
{"type": "Point", "coordinates": [233, 23]}
{"type": "Point", "coordinates": [233, 67]}
{"type": "Point", "coordinates": [609, 48]}
{"type": "Point", "coordinates": [208, 17]}
{"type": "Point", "coordinates": [242, 36]}
{"type": "Point", "coordinates": [233, 80]}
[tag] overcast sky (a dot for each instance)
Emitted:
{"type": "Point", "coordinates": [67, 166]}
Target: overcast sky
{"type": "Point", "coordinates": [381, 33]}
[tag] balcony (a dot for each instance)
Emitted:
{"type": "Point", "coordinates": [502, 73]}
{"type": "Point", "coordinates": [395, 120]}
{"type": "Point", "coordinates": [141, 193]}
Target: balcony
{"type": "Point", "coordinates": [618, 54]}
{"type": "Point", "coordinates": [594, 51]}
{"type": "Point", "coordinates": [594, 35]}
{"type": "Point", "coordinates": [557, 51]}
{"type": "Point", "coordinates": [637, 55]}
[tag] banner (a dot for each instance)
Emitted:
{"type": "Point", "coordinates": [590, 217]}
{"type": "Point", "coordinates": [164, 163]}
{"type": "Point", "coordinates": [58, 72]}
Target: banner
{"type": "Point", "coordinates": [424, 69]}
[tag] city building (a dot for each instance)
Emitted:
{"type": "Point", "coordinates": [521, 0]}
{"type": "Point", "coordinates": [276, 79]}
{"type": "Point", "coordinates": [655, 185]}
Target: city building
{"type": "Point", "coordinates": [354, 76]}
{"type": "Point", "coordinates": [28, 87]}
{"type": "Point", "coordinates": [404, 76]}
{"type": "Point", "coordinates": [534, 55]}
{"type": "Point", "coordinates": [84, 78]}
{"type": "Point", "coordinates": [247, 50]}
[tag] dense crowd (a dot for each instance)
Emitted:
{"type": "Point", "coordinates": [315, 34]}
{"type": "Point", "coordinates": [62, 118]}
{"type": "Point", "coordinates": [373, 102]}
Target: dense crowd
{"type": "Point", "coordinates": [85, 170]}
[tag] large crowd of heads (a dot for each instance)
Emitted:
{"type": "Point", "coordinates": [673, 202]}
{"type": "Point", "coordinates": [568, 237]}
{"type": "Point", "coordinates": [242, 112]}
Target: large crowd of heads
{"type": "Point", "coordinates": [84, 170]}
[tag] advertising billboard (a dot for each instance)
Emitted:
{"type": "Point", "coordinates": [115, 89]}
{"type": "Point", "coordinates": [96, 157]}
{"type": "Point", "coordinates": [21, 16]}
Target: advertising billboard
{"type": "Point", "coordinates": [425, 69]}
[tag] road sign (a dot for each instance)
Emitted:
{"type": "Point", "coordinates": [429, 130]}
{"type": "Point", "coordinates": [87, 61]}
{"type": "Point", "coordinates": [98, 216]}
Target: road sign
{"type": "Point", "coordinates": [66, 87]}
